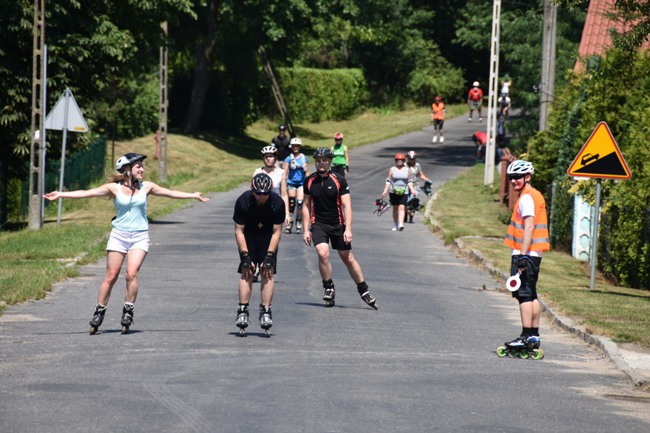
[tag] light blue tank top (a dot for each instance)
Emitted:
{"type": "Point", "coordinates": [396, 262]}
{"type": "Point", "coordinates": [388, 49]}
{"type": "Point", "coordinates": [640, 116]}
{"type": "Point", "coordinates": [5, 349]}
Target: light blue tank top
{"type": "Point", "coordinates": [131, 211]}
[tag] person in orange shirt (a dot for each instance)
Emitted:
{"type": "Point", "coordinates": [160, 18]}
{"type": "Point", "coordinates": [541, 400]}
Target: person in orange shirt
{"type": "Point", "coordinates": [438, 119]}
{"type": "Point", "coordinates": [527, 238]}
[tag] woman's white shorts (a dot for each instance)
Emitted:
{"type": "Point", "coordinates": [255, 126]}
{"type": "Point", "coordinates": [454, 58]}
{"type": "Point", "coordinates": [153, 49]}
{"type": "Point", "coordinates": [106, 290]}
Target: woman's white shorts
{"type": "Point", "coordinates": [122, 241]}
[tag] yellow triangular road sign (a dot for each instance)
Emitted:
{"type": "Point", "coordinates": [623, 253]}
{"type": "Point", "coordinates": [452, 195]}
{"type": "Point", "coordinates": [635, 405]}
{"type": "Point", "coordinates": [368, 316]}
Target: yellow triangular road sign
{"type": "Point", "coordinates": [600, 157]}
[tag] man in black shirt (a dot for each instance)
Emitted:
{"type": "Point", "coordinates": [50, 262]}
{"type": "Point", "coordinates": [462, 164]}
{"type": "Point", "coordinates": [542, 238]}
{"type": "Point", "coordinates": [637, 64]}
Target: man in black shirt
{"type": "Point", "coordinates": [259, 214]}
{"type": "Point", "coordinates": [328, 209]}
{"type": "Point", "coordinates": [281, 142]}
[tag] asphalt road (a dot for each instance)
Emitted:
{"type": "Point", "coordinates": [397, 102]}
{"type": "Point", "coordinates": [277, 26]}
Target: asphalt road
{"type": "Point", "coordinates": [424, 362]}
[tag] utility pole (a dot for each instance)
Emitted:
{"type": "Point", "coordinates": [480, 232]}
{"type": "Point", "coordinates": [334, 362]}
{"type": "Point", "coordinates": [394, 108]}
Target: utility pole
{"type": "Point", "coordinates": [163, 105]}
{"type": "Point", "coordinates": [37, 148]}
{"type": "Point", "coordinates": [492, 94]}
{"type": "Point", "coordinates": [547, 85]}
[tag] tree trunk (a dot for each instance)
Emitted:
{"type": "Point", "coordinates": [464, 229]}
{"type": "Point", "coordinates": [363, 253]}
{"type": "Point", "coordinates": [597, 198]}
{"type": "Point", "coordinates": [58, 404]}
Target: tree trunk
{"type": "Point", "coordinates": [204, 57]}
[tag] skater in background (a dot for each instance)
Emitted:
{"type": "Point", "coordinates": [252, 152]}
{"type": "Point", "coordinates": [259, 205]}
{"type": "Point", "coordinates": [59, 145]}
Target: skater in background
{"type": "Point", "coordinates": [480, 140]}
{"type": "Point", "coordinates": [341, 160]}
{"type": "Point", "coordinates": [258, 216]}
{"type": "Point", "coordinates": [278, 175]}
{"type": "Point", "coordinates": [328, 212]}
{"type": "Point", "coordinates": [282, 143]}
{"type": "Point", "coordinates": [475, 101]}
{"type": "Point", "coordinates": [416, 173]}
{"type": "Point", "coordinates": [438, 119]}
{"type": "Point", "coordinates": [129, 238]}
{"type": "Point", "coordinates": [296, 169]}
{"type": "Point", "coordinates": [527, 238]}
{"type": "Point", "coordinates": [398, 187]}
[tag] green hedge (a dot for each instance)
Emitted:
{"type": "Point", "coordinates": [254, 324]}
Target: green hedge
{"type": "Point", "coordinates": [613, 90]}
{"type": "Point", "coordinates": [314, 95]}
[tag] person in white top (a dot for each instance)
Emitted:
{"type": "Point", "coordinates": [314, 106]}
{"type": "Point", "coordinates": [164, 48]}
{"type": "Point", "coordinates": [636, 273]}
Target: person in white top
{"type": "Point", "coordinates": [129, 237]}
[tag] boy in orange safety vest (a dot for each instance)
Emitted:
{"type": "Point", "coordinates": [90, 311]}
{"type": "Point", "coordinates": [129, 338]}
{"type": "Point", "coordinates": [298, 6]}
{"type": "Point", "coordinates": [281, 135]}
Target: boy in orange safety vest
{"type": "Point", "coordinates": [528, 238]}
{"type": "Point", "coordinates": [438, 119]}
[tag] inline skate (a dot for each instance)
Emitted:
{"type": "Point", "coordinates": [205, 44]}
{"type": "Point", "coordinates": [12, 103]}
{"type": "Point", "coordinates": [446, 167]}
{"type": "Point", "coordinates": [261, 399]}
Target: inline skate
{"type": "Point", "coordinates": [98, 318]}
{"type": "Point", "coordinates": [366, 296]}
{"type": "Point", "coordinates": [523, 347]}
{"type": "Point", "coordinates": [127, 317]}
{"type": "Point", "coordinates": [329, 294]}
{"type": "Point", "coordinates": [242, 319]}
{"type": "Point", "coordinates": [266, 319]}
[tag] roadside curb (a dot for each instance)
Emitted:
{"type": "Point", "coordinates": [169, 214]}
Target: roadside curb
{"type": "Point", "coordinates": [639, 378]}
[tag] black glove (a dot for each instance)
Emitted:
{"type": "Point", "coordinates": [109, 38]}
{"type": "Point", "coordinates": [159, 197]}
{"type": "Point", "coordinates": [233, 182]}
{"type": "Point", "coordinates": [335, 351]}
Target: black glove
{"type": "Point", "coordinates": [427, 187]}
{"type": "Point", "coordinates": [522, 261]}
{"type": "Point", "coordinates": [245, 259]}
{"type": "Point", "coordinates": [269, 260]}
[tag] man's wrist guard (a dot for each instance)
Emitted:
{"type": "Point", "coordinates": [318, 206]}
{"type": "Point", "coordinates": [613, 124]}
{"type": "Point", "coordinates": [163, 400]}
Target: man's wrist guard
{"type": "Point", "coordinates": [245, 259]}
{"type": "Point", "coordinates": [269, 260]}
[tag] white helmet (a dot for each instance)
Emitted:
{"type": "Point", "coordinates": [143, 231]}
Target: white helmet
{"type": "Point", "coordinates": [269, 149]}
{"type": "Point", "coordinates": [475, 84]}
{"type": "Point", "coordinates": [296, 141]}
{"type": "Point", "coordinates": [128, 159]}
{"type": "Point", "coordinates": [520, 167]}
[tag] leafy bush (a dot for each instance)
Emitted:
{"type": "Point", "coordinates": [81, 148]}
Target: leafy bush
{"type": "Point", "coordinates": [613, 90]}
{"type": "Point", "coordinates": [314, 95]}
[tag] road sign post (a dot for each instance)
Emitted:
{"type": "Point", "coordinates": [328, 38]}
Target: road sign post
{"type": "Point", "coordinates": [65, 116]}
{"type": "Point", "coordinates": [600, 158]}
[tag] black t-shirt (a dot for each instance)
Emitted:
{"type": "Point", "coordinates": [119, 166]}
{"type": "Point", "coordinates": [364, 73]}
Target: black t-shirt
{"type": "Point", "coordinates": [259, 219]}
{"type": "Point", "coordinates": [282, 144]}
{"type": "Point", "coordinates": [326, 192]}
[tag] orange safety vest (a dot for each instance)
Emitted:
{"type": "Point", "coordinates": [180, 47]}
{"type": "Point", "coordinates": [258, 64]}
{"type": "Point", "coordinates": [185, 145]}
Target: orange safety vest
{"type": "Point", "coordinates": [515, 236]}
{"type": "Point", "coordinates": [438, 111]}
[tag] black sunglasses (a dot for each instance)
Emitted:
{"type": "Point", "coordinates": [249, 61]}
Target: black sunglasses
{"type": "Point", "coordinates": [516, 176]}
{"type": "Point", "coordinates": [262, 192]}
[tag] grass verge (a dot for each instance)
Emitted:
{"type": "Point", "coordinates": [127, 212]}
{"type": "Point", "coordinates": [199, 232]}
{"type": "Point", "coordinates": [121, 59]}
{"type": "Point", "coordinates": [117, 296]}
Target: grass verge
{"type": "Point", "coordinates": [623, 314]}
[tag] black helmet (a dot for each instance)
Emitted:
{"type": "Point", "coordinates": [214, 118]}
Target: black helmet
{"type": "Point", "coordinates": [282, 127]}
{"type": "Point", "coordinates": [262, 184]}
{"type": "Point", "coordinates": [323, 152]}
{"type": "Point", "coordinates": [128, 159]}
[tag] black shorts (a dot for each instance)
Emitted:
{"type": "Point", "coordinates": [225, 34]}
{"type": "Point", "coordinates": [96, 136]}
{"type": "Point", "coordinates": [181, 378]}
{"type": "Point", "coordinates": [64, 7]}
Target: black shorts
{"type": "Point", "coordinates": [437, 124]}
{"type": "Point", "coordinates": [527, 292]}
{"type": "Point", "coordinates": [396, 200]}
{"type": "Point", "coordinates": [257, 249]}
{"type": "Point", "coordinates": [325, 233]}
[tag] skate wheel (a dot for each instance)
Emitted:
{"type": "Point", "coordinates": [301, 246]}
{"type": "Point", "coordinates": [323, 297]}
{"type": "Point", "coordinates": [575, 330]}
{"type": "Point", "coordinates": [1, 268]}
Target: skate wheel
{"type": "Point", "coordinates": [374, 306]}
{"type": "Point", "coordinates": [537, 354]}
{"type": "Point", "coordinates": [329, 304]}
{"type": "Point", "coordinates": [125, 329]}
{"type": "Point", "coordinates": [267, 332]}
{"type": "Point", "coordinates": [242, 332]}
{"type": "Point", "coordinates": [523, 355]}
{"type": "Point", "coordinates": [501, 352]}
{"type": "Point", "coordinates": [93, 330]}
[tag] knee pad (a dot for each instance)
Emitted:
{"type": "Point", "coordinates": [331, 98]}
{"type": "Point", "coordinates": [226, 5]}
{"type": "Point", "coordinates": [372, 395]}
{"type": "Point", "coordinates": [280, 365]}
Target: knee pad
{"type": "Point", "coordinates": [292, 204]}
{"type": "Point", "coordinates": [300, 202]}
